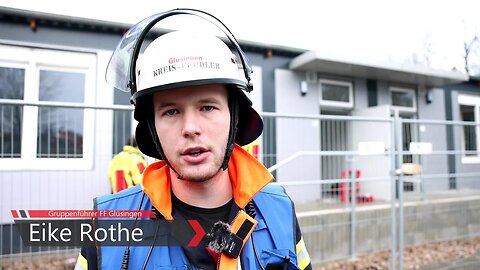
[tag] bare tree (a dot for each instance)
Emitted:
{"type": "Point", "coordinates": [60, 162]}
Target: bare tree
{"type": "Point", "coordinates": [472, 56]}
{"type": "Point", "coordinates": [426, 53]}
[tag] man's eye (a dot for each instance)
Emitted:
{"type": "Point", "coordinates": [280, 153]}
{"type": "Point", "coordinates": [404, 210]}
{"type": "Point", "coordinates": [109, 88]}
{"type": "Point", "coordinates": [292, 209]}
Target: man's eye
{"type": "Point", "coordinates": [170, 112]}
{"type": "Point", "coordinates": [207, 108]}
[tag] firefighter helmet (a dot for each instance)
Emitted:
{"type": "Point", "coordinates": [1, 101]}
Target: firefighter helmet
{"type": "Point", "coordinates": [181, 59]}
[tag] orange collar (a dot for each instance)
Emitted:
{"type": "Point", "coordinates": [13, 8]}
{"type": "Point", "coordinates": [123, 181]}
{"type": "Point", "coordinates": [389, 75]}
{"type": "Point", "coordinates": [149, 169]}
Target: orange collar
{"type": "Point", "coordinates": [247, 174]}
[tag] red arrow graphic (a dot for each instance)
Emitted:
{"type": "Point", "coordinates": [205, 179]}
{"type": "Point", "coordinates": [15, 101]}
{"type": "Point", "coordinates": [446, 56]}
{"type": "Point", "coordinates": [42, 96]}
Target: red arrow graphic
{"type": "Point", "coordinates": [199, 233]}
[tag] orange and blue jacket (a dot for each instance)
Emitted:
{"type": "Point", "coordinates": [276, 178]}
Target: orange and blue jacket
{"type": "Point", "coordinates": [275, 237]}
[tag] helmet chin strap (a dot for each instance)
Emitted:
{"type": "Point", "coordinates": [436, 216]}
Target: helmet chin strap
{"type": "Point", "coordinates": [233, 106]}
{"type": "Point", "coordinates": [158, 146]}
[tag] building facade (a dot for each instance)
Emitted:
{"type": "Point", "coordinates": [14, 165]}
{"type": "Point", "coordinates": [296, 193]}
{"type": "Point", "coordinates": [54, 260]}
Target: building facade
{"type": "Point", "coordinates": [61, 123]}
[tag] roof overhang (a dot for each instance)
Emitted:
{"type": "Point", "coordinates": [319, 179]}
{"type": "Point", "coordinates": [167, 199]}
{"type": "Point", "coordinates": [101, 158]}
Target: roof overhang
{"type": "Point", "coordinates": [311, 61]}
{"type": "Point", "coordinates": [24, 16]}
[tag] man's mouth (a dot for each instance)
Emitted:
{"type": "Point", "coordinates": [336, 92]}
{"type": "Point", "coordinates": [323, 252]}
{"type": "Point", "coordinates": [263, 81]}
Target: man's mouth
{"type": "Point", "coordinates": [193, 151]}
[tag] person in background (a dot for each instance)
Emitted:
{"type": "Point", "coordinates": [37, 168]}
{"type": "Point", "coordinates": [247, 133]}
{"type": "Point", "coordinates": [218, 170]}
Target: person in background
{"type": "Point", "coordinates": [253, 148]}
{"type": "Point", "coordinates": [126, 168]}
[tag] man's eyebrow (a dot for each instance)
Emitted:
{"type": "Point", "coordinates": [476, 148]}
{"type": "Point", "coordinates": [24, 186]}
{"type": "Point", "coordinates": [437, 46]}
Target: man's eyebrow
{"type": "Point", "coordinates": [209, 100]}
{"type": "Point", "coordinates": [162, 105]}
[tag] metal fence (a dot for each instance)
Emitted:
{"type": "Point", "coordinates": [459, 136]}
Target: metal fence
{"type": "Point", "coordinates": [428, 191]}
{"type": "Point", "coordinates": [361, 184]}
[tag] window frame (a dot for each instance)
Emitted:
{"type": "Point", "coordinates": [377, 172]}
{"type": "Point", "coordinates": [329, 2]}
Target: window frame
{"type": "Point", "coordinates": [16, 65]}
{"type": "Point", "coordinates": [34, 60]}
{"type": "Point", "coordinates": [332, 103]}
{"type": "Point", "coordinates": [470, 100]}
{"type": "Point", "coordinates": [412, 109]}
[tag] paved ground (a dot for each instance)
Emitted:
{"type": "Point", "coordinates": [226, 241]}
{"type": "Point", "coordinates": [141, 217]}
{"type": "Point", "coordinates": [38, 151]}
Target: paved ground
{"type": "Point", "coordinates": [53, 261]}
{"type": "Point", "coordinates": [449, 255]}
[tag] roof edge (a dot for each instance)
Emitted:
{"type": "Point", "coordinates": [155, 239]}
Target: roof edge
{"type": "Point", "coordinates": [313, 61]}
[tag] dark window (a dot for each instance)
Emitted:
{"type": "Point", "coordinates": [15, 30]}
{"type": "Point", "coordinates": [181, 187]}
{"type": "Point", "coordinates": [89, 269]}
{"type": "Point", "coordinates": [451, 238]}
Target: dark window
{"type": "Point", "coordinates": [122, 121]}
{"type": "Point", "coordinates": [402, 99]}
{"type": "Point", "coordinates": [470, 136]}
{"type": "Point", "coordinates": [12, 86]}
{"type": "Point", "coordinates": [60, 130]}
{"type": "Point", "coordinates": [334, 92]}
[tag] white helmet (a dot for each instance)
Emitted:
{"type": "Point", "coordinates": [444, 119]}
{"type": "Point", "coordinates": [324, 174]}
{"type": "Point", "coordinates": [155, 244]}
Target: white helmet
{"type": "Point", "coordinates": [183, 58]}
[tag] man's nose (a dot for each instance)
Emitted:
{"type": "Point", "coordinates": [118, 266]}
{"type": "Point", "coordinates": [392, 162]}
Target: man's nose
{"type": "Point", "coordinates": [191, 124]}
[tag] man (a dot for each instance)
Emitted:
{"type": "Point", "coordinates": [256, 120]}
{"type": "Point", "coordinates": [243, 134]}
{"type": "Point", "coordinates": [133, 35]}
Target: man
{"type": "Point", "coordinates": [126, 167]}
{"type": "Point", "coordinates": [193, 114]}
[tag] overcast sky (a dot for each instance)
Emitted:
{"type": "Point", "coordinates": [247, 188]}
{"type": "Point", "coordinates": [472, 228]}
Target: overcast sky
{"type": "Point", "coordinates": [403, 31]}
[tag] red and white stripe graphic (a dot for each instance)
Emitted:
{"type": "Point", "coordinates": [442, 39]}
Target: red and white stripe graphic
{"type": "Point", "coordinates": [20, 214]}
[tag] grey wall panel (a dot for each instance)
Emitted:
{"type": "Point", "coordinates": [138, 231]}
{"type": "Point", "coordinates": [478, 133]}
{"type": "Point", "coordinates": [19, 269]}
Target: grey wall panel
{"type": "Point", "coordinates": [360, 93]}
{"type": "Point", "coordinates": [293, 135]}
{"type": "Point", "coordinates": [434, 134]}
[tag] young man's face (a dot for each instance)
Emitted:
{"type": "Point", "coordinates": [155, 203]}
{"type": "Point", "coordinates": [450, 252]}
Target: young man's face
{"type": "Point", "coordinates": [192, 124]}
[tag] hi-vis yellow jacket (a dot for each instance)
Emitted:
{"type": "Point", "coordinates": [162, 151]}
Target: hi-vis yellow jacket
{"type": "Point", "coordinates": [126, 169]}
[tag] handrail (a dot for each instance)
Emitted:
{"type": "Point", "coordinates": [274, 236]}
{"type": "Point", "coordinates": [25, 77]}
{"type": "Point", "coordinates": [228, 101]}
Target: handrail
{"type": "Point", "coordinates": [355, 153]}
{"type": "Point", "coordinates": [326, 117]}
{"type": "Point", "coordinates": [305, 153]}
{"type": "Point", "coordinates": [65, 104]}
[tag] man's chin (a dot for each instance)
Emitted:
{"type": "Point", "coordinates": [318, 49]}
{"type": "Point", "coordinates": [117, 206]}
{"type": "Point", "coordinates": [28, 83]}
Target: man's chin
{"type": "Point", "coordinates": [198, 176]}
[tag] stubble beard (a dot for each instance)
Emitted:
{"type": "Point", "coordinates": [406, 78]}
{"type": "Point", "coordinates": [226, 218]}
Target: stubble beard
{"type": "Point", "coordinates": [200, 173]}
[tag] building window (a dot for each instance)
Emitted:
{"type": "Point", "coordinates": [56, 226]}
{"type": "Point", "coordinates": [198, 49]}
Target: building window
{"type": "Point", "coordinates": [123, 123]}
{"type": "Point", "coordinates": [469, 107]}
{"type": "Point", "coordinates": [11, 87]}
{"type": "Point", "coordinates": [48, 127]}
{"type": "Point", "coordinates": [336, 94]}
{"type": "Point", "coordinates": [60, 130]}
{"type": "Point", "coordinates": [403, 99]}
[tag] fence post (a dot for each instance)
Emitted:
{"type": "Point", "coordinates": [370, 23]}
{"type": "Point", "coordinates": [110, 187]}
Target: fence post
{"type": "Point", "coordinates": [393, 198]}
{"type": "Point", "coordinates": [399, 146]}
{"type": "Point", "coordinates": [352, 196]}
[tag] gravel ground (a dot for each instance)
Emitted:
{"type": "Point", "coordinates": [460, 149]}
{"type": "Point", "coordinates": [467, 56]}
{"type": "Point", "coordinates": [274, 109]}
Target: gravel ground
{"type": "Point", "coordinates": [62, 261]}
{"type": "Point", "coordinates": [459, 254]}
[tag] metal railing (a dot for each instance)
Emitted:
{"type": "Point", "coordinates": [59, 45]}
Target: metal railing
{"type": "Point", "coordinates": [349, 200]}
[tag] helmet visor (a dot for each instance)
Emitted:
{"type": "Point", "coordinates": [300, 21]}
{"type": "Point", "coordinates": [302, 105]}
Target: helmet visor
{"type": "Point", "coordinates": [118, 68]}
